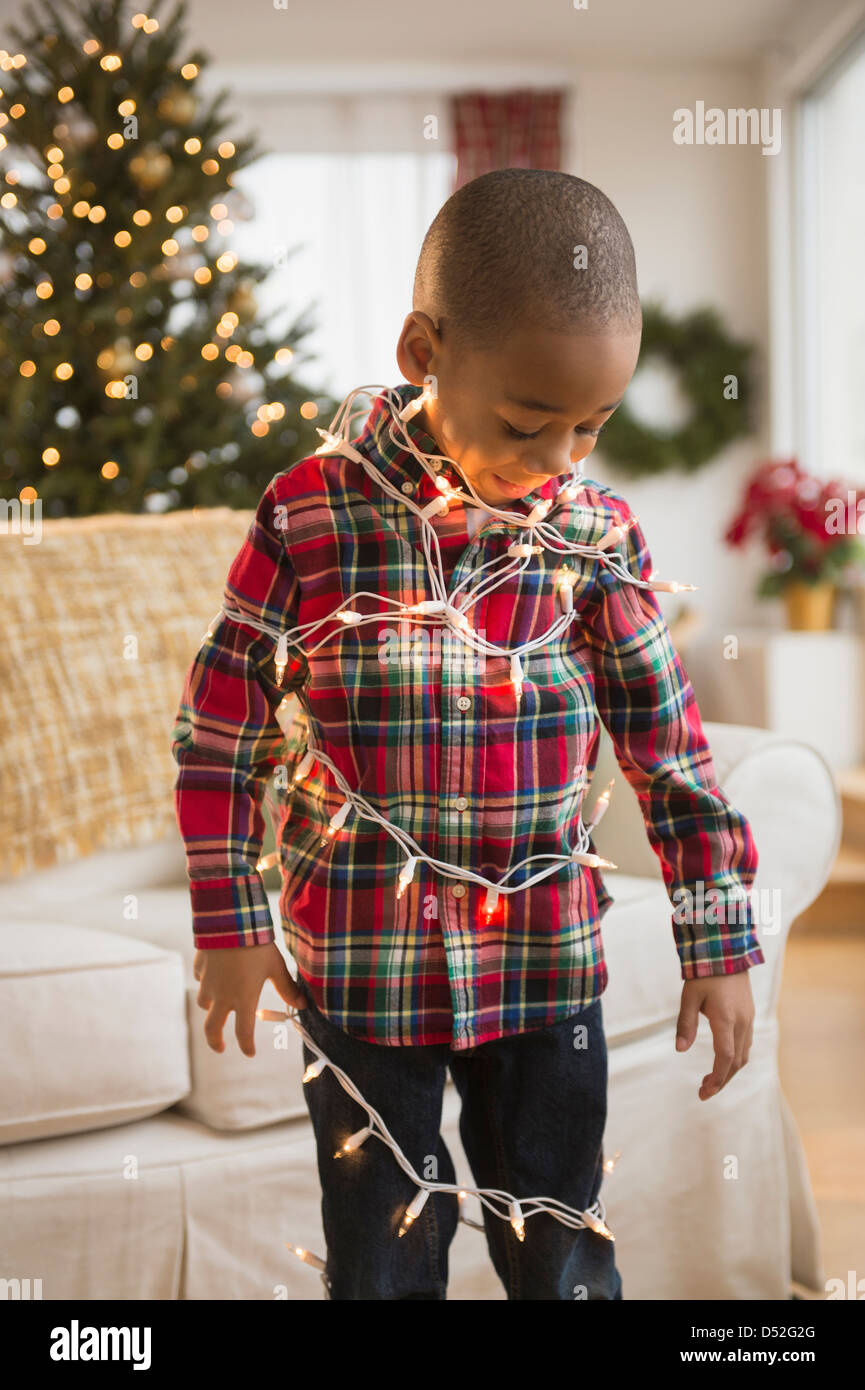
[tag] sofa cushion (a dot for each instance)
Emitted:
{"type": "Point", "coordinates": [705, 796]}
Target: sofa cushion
{"type": "Point", "coordinates": [226, 1090]}
{"type": "Point", "coordinates": [95, 1023]}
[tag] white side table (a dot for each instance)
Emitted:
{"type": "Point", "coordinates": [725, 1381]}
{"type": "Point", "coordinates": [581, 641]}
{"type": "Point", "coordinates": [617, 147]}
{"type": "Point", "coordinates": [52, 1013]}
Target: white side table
{"type": "Point", "coordinates": [807, 685]}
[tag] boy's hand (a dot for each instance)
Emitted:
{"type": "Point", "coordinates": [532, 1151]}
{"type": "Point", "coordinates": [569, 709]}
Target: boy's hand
{"type": "Point", "coordinates": [231, 981]}
{"type": "Point", "coordinates": [728, 1005]}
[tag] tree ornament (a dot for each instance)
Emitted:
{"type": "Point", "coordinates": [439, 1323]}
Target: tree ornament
{"type": "Point", "coordinates": [714, 372]}
{"type": "Point", "coordinates": [178, 104]}
{"type": "Point", "coordinates": [151, 168]}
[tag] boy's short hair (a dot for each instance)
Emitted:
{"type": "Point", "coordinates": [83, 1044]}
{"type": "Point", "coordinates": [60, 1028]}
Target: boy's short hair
{"type": "Point", "coordinates": [504, 250]}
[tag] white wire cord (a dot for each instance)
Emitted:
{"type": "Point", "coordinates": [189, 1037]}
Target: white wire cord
{"type": "Point", "coordinates": [504, 1205]}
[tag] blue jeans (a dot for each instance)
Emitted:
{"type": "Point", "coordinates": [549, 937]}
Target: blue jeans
{"type": "Point", "coordinates": [533, 1111]}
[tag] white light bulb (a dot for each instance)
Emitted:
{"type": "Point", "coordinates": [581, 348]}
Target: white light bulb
{"type": "Point", "coordinates": [615, 534]}
{"type": "Point", "coordinates": [595, 1224]}
{"type": "Point", "coordinates": [406, 874]}
{"type": "Point", "coordinates": [566, 590]}
{"type": "Point", "coordinates": [281, 660]}
{"type": "Point", "coordinates": [539, 511]}
{"type": "Point", "coordinates": [331, 441]}
{"type": "Point", "coordinates": [413, 1210]}
{"type": "Point", "coordinates": [426, 396]}
{"type": "Point", "coordinates": [429, 605]}
{"type": "Point", "coordinates": [671, 586]}
{"type": "Point", "coordinates": [517, 677]}
{"type": "Point", "coordinates": [593, 861]}
{"type": "Point", "coordinates": [490, 902]}
{"type": "Point", "coordinates": [600, 806]}
{"type": "Point", "coordinates": [517, 1221]}
{"type": "Point", "coordinates": [307, 1256]}
{"type": "Point", "coordinates": [315, 1069]}
{"type": "Point", "coordinates": [302, 769]}
{"type": "Point", "coordinates": [336, 820]}
{"type": "Point", "coordinates": [354, 1141]}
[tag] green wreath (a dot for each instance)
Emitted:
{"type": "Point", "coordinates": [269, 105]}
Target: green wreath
{"type": "Point", "coordinates": [704, 358]}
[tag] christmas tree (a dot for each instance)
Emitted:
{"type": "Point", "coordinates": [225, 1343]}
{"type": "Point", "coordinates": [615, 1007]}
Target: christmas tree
{"type": "Point", "coordinates": [135, 371]}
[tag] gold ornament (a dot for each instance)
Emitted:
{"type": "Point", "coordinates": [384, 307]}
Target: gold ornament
{"type": "Point", "coordinates": [178, 105]}
{"type": "Point", "coordinates": [150, 168]}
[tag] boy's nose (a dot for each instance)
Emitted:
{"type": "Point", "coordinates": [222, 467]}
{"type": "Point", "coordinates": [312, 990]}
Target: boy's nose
{"type": "Point", "coordinates": [553, 461]}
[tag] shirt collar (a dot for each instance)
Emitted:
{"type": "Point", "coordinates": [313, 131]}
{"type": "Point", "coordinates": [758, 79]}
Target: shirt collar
{"type": "Point", "coordinates": [397, 463]}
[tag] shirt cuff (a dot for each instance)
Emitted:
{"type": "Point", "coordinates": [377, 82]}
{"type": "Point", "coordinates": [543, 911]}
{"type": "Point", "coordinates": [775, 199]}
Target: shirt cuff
{"type": "Point", "coordinates": [722, 942]}
{"type": "Point", "coordinates": [230, 912]}
{"type": "Point", "coordinates": [725, 964]}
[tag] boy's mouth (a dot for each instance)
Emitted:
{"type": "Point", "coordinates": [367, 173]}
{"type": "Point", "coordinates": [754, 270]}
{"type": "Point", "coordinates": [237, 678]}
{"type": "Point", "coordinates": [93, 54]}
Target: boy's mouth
{"type": "Point", "coordinates": [517, 489]}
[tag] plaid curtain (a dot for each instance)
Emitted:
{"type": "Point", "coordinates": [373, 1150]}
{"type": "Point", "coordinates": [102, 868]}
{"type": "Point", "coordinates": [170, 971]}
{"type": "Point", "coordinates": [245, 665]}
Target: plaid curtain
{"type": "Point", "coordinates": [501, 130]}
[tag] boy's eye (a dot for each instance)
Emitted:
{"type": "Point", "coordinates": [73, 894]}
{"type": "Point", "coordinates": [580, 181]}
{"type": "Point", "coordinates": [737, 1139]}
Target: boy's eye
{"type": "Point", "coordinates": [518, 434]}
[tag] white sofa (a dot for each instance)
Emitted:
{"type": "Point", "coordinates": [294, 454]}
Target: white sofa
{"type": "Point", "coordinates": [138, 1164]}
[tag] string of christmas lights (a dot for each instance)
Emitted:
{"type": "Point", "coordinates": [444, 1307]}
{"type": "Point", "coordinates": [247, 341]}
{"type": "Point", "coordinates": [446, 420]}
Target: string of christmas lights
{"type": "Point", "coordinates": [444, 611]}
{"type": "Point", "coordinates": [503, 1204]}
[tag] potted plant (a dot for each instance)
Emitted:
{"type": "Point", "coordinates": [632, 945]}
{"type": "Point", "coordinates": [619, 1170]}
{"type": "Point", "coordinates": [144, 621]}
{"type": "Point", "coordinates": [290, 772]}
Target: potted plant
{"type": "Point", "coordinates": [810, 529]}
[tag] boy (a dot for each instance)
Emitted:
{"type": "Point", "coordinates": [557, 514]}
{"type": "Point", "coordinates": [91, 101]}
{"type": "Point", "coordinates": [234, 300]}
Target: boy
{"type": "Point", "coordinates": [524, 344]}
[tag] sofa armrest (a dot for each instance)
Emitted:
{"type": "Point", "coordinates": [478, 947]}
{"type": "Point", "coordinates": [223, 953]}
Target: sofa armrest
{"type": "Point", "coordinates": [788, 794]}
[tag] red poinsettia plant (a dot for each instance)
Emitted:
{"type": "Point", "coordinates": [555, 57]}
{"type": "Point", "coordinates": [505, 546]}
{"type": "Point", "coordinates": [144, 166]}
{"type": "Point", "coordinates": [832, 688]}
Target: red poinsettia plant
{"type": "Point", "coordinates": [809, 526]}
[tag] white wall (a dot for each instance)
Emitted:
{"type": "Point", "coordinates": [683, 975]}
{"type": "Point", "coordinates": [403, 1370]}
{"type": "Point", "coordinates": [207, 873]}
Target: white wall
{"type": "Point", "coordinates": [696, 215]}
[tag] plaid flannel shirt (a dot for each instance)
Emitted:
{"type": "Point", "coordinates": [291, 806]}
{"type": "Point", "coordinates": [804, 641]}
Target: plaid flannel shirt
{"type": "Point", "coordinates": [431, 735]}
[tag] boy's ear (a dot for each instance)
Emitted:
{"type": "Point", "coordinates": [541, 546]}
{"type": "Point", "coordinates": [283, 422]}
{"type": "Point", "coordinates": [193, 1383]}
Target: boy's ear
{"type": "Point", "coordinates": [418, 347]}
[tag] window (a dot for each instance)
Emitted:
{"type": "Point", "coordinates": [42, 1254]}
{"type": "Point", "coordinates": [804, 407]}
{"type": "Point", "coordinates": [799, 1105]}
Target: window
{"type": "Point", "coordinates": [831, 221]}
{"type": "Point", "coordinates": [358, 220]}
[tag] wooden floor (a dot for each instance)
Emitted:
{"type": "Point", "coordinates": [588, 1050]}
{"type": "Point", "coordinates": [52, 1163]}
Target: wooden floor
{"type": "Point", "coordinates": [822, 1063]}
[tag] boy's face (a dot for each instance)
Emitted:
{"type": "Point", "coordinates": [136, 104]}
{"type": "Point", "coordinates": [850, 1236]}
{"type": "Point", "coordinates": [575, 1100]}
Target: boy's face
{"type": "Point", "coordinates": [557, 388]}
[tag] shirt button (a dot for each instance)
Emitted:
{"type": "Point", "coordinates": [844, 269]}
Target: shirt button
{"type": "Point", "coordinates": [459, 890]}
{"type": "Point", "coordinates": [463, 702]}
{"type": "Point", "coordinates": [461, 803]}
{"type": "Point", "coordinates": [407, 487]}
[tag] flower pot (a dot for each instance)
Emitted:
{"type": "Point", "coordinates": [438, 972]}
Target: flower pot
{"type": "Point", "coordinates": [809, 606]}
